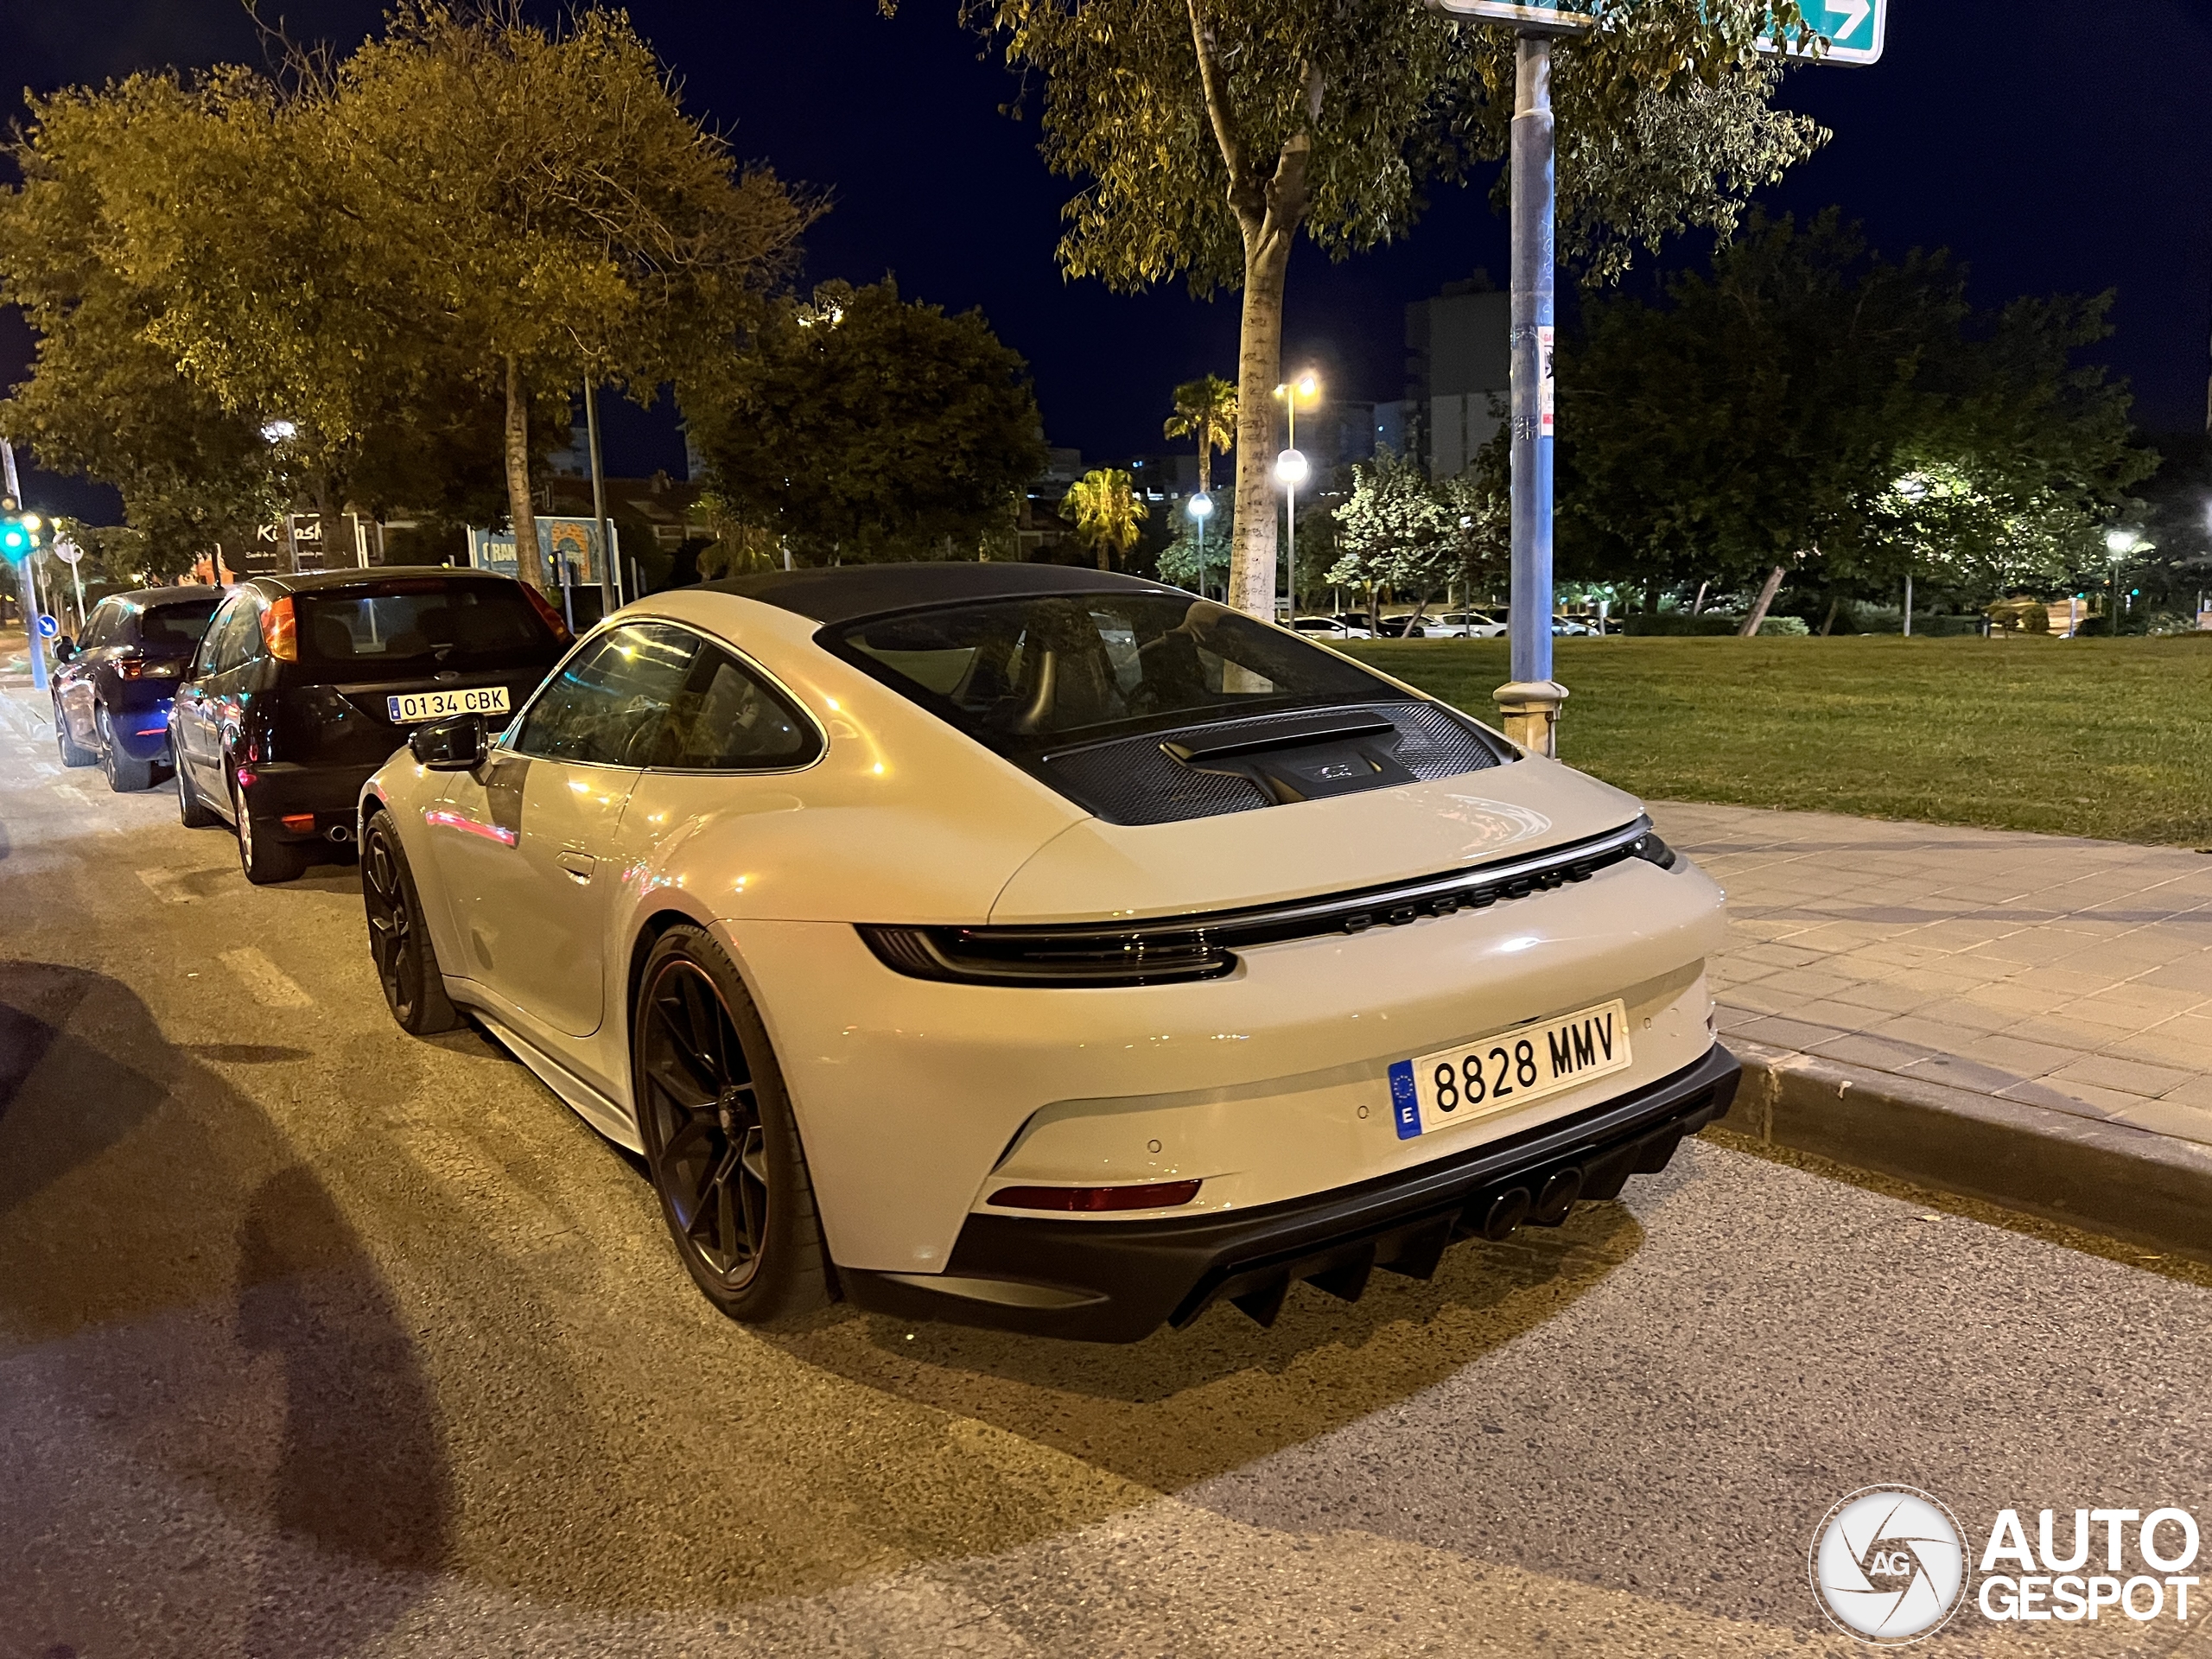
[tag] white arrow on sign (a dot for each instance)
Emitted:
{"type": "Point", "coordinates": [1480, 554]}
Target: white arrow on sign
{"type": "Point", "coordinates": [1856, 39]}
{"type": "Point", "coordinates": [1855, 12]}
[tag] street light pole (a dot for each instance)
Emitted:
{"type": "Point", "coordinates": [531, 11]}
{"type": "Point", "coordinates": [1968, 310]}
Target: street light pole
{"type": "Point", "coordinates": [609, 582]}
{"type": "Point", "coordinates": [1530, 703]}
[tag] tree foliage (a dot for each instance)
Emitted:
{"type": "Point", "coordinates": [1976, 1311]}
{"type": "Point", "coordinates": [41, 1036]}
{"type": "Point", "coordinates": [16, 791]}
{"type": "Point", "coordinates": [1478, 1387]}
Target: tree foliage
{"type": "Point", "coordinates": [1206, 410]}
{"type": "Point", "coordinates": [1207, 136]}
{"type": "Point", "coordinates": [1105, 509]}
{"type": "Point", "coordinates": [1396, 532]}
{"type": "Point", "coordinates": [863, 427]}
{"type": "Point", "coordinates": [1813, 406]}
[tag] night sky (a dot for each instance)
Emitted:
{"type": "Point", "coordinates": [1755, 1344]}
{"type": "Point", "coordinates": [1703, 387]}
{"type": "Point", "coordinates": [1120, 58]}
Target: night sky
{"type": "Point", "coordinates": [2055, 145]}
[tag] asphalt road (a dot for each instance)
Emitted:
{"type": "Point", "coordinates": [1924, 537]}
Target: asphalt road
{"type": "Point", "coordinates": [318, 1340]}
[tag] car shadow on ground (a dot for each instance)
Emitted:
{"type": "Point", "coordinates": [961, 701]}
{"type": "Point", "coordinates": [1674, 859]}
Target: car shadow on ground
{"type": "Point", "coordinates": [200, 1355]}
{"type": "Point", "coordinates": [1183, 1406]}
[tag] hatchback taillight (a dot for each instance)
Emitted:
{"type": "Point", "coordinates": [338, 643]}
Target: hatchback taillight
{"type": "Point", "coordinates": [280, 631]}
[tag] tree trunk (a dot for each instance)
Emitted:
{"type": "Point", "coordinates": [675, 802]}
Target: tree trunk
{"type": "Point", "coordinates": [1759, 611]}
{"type": "Point", "coordinates": [1828, 623]}
{"type": "Point", "coordinates": [520, 508]}
{"type": "Point", "coordinates": [1375, 609]}
{"type": "Point", "coordinates": [1105, 551]}
{"type": "Point", "coordinates": [1259, 371]}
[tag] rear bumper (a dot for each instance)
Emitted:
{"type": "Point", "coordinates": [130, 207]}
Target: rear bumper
{"type": "Point", "coordinates": [142, 732]}
{"type": "Point", "coordinates": [1118, 1281]}
{"type": "Point", "coordinates": [331, 794]}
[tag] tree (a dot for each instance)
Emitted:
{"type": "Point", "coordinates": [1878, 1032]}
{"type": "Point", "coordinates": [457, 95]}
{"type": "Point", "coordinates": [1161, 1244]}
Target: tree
{"type": "Point", "coordinates": [863, 427]}
{"type": "Point", "coordinates": [1396, 531]}
{"type": "Point", "coordinates": [1811, 406]}
{"type": "Point", "coordinates": [104, 399]}
{"type": "Point", "coordinates": [1205, 409]}
{"type": "Point", "coordinates": [1209, 135]}
{"type": "Point", "coordinates": [1103, 506]}
{"type": "Point", "coordinates": [1196, 559]}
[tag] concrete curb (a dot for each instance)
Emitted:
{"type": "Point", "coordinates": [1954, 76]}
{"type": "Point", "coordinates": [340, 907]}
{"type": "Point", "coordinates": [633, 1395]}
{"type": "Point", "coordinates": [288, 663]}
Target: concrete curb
{"type": "Point", "coordinates": [21, 713]}
{"type": "Point", "coordinates": [2089, 1173]}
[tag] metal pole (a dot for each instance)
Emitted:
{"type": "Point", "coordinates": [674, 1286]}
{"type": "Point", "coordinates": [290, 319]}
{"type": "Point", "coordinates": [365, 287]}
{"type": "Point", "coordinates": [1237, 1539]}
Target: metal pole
{"type": "Point", "coordinates": [26, 583]}
{"type": "Point", "coordinates": [1533, 183]}
{"type": "Point", "coordinates": [1908, 604]}
{"type": "Point", "coordinates": [1290, 517]}
{"type": "Point", "coordinates": [609, 592]}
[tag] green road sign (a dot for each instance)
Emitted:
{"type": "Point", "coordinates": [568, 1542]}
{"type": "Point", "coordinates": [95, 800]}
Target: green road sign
{"type": "Point", "coordinates": [1852, 29]}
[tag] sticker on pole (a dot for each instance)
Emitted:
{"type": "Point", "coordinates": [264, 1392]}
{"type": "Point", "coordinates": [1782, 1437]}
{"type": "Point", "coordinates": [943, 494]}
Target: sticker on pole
{"type": "Point", "coordinates": [48, 627]}
{"type": "Point", "coordinates": [1546, 425]}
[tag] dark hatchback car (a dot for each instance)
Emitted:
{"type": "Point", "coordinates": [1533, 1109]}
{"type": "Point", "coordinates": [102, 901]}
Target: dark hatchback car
{"type": "Point", "coordinates": [305, 684]}
{"type": "Point", "coordinates": [112, 691]}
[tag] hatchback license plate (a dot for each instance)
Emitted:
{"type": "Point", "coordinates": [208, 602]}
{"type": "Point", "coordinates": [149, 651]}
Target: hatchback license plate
{"type": "Point", "coordinates": [411, 708]}
{"type": "Point", "coordinates": [1507, 1070]}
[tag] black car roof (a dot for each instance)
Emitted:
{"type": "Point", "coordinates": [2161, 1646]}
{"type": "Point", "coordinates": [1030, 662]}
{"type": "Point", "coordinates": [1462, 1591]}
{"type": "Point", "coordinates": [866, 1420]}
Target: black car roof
{"type": "Point", "coordinates": [850, 592]}
{"type": "Point", "coordinates": [141, 599]}
{"type": "Point", "coordinates": [308, 582]}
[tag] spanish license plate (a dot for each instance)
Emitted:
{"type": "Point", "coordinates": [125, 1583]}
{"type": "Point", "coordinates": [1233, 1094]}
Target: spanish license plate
{"type": "Point", "coordinates": [1507, 1070]}
{"type": "Point", "coordinates": [411, 708]}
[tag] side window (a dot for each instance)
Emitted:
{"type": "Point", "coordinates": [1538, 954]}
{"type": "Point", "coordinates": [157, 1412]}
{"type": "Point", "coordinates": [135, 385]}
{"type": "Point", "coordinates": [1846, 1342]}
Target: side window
{"type": "Point", "coordinates": [724, 720]}
{"type": "Point", "coordinates": [101, 629]}
{"type": "Point", "coordinates": [606, 706]}
{"type": "Point", "coordinates": [224, 647]}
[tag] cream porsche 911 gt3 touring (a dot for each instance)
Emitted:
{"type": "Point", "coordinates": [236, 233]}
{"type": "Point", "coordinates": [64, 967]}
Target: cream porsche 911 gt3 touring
{"type": "Point", "coordinates": [1032, 947]}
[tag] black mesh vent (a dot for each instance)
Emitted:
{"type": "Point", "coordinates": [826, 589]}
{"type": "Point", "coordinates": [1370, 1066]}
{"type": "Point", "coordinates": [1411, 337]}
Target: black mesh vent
{"type": "Point", "coordinates": [1132, 780]}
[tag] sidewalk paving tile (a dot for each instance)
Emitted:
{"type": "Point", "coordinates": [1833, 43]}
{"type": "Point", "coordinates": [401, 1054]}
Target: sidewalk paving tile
{"type": "Point", "coordinates": [2170, 1117]}
{"type": "Point", "coordinates": [2130, 1076]}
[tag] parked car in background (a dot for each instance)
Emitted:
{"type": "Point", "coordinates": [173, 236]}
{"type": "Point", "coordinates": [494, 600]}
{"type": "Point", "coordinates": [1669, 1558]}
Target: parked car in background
{"type": "Point", "coordinates": [1402, 628]}
{"type": "Point", "coordinates": [1327, 627]}
{"type": "Point", "coordinates": [304, 684]}
{"type": "Point", "coordinates": [1024, 946]}
{"type": "Point", "coordinates": [1464, 625]}
{"type": "Point", "coordinates": [111, 691]}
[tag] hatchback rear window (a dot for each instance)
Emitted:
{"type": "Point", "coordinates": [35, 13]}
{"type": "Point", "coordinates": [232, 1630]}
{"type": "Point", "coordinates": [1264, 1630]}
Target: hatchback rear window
{"type": "Point", "coordinates": [422, 624]}
{"type": "Point", "coordinates": [1026, 673]}
{"type": "Point", "coordinates": [179, 623]}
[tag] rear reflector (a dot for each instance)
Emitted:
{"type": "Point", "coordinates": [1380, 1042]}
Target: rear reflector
{"type": "Point", "coordinates": [301, 821]}
{"type": "Point", "coordinates": [1160, 1195]}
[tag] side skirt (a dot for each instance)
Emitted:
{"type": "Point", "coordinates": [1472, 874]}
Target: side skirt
{"type": "Point", "coordinates": [587, 1103]}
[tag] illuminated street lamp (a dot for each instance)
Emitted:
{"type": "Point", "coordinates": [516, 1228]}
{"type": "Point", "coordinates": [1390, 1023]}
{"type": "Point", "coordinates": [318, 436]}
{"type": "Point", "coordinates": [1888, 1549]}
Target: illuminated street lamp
{"type": "Point", "coordinates": [1290, 471]}
{"type": "Point", "coordinates": [1200, 508]}
{"type": "Point", "coordinates": [2119, 544]}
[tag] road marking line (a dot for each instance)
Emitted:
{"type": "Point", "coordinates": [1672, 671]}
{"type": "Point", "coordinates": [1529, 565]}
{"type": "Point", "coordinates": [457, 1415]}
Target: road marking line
{"type": "Point", "coordinates": [163, 885]}
{"type": "Point", "coordinates": [269, 983]}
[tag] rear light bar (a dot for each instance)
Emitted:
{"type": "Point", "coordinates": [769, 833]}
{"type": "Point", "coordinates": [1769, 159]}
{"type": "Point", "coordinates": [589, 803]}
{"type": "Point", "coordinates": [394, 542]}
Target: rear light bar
{"type": "Point", "coordinates": [1089, 1200]}
{"type": "Point", "coordinates": [1182, 949]}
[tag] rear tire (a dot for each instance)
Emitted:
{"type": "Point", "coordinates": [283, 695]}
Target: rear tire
{"type": "Point", "coordinates": [399, 942]}
{"type": "Point", "coordinates": [720, 1140]}
{"type": "Point", "coordinates": [72, 755]}
{"type": "Point", "coordinates": [193, 812]}
{"type": "Point", "coordinates": [264, 861]}
{"type": "Point", "coordinates": [124, 775]}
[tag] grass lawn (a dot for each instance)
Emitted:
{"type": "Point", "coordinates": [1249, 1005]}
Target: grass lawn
{"type": "Point", "coordinates": [2110, 738]}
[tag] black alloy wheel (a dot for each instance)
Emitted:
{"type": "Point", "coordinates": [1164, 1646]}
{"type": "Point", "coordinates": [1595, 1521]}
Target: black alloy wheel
{"type": "Point", "coordinates": [124, 775]}
{"type": "Point", "coordinates": [399, 943]}
{"type": "Point", "coordinates": [193, 812]}
{"type": "Point", "coordinates": [720, 1140]}
{"type": "Point", "coordinates": [263, 859]}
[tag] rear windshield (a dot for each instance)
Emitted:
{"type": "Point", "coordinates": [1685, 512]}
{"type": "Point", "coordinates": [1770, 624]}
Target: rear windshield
{"type": "Point", "coordinates": [178, 623]}
{"type": "Point", "coordinates": [423, 624]}
{"type": "Point", "coordinates": [1024, 674]}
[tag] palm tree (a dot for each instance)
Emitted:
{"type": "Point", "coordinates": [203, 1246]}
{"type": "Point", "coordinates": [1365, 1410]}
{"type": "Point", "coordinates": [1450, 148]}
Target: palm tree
{"type": "Point", "coordinates": [1206, 410]}
{"type": "Point", "coordinates": [1103, 507]}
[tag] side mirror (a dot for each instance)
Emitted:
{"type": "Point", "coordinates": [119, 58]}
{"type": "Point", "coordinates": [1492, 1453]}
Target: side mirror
{"type": "Point", "coordinates": [63, 649]}
{"type": "Point", "coordinates": [454, 744]}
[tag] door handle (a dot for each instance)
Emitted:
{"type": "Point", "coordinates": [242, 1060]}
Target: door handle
{"type": "Point", "coordinates": [580, 865]}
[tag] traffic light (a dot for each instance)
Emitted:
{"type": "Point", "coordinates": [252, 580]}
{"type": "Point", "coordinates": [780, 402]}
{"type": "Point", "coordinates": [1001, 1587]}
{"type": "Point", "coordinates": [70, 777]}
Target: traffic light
{"type": "Point", "coordinates": [19, 531]}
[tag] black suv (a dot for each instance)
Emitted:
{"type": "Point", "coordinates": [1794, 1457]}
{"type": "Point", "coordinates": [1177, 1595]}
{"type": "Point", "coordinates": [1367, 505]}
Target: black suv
{"type": "Point", "coordinates": [112, 692]}
{"type": "Point", "coordinates": [305, 684]}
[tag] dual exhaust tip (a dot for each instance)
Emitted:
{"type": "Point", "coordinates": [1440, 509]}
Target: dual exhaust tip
{"type": "Point", "coordinates": [1545, 1207]}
